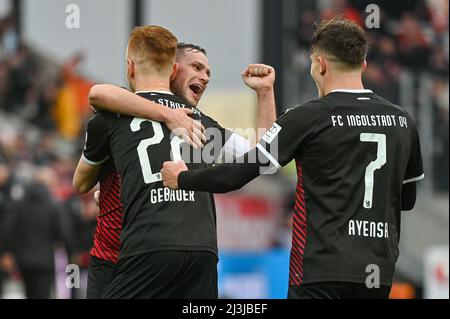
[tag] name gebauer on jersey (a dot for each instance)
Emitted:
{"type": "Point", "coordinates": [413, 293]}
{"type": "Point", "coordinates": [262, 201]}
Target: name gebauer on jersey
{"type": "Point", "coordinates": [160, 195]}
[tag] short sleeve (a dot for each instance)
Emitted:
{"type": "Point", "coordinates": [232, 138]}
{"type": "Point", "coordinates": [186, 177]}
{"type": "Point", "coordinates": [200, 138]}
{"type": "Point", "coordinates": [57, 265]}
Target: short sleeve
{"type": "Point", "coordinates": [414, 170]}
{"type": "Point", "coordinates": [96, 149]}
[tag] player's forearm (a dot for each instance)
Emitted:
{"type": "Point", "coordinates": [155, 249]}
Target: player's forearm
{"type": "Point", "coordinates": [218, 179]}
{"type": "Point", "coordinates": [266, 111]}
{"type": "Point", "coordinates": [82, 184]}
{"type": "Point", "coordinates": [223, 178]}
{"type": "Point", "coordinates": [85, 177]}
{"type": "Point", "coordinates": [118, 100]}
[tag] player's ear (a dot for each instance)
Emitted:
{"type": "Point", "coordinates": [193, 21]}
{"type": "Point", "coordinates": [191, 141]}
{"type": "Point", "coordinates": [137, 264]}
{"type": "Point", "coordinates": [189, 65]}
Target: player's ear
{"type": "Point", "coordinates": [174, 72]}
{"type": "Point", "coordinates": [364, 66]}
{"type": "Point", "coordinates": [130, 68]}
{"type": "Point", "coordinates": [322, 66]}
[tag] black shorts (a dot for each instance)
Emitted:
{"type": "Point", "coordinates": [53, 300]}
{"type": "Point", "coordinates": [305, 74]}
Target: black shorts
{"type": "Point", "coordinates": [100, 274]}
{"type": "Point", "coordinates": [166, 275]}
{"type": "Point", "coordinates": [338, 290]}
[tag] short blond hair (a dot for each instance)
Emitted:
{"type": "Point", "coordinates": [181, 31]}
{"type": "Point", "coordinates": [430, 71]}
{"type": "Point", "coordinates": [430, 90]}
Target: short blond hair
{"type": "Point", "coordinates": [153, 46]}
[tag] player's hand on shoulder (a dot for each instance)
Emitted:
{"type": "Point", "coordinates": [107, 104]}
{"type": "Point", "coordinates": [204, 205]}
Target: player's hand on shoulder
{"type": "Point", "coordinates": [170, 172]}
{"type": "Point", "coordinates": [184, 126]}
{"type": "Point", "coordinates": [259, 77]}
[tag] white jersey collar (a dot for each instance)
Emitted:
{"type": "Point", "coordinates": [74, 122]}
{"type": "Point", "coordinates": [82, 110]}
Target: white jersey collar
{"type": "Point", "coordinates": [161, 92]}
{"type": "Point", "coordinates": [352, 91]}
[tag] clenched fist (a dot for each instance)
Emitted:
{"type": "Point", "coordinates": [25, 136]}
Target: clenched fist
{"type": "Point", "coordinates": [170, 172]}
{"type": "Point", "coordinates": [259, 76]}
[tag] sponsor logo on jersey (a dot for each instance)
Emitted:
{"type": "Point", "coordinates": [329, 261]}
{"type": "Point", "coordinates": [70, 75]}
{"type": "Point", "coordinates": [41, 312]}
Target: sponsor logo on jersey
{"type": "Point", "coordinates": [272, 133]}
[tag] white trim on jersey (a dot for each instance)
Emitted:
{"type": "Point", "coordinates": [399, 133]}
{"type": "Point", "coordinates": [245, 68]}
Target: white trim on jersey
{"type": "Point", "coordinates": [268, 155]}
{"type": "Point", "coordinates": [92, 162]}
{"type": "Point", "coordinates": [235, 146]}
{"type": "Point", "coordinates": [414, 179]}
{"type": "Point", "coordinates": [161, 92]}
{"type": "Point", "coordinates": [352, 91]}
{"type": "Point", "coordinates": [93, 108]}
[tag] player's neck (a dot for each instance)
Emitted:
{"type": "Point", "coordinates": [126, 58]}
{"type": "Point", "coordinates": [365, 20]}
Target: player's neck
{"type": "Point", "coordinates": [152, 84]}
{"type": "Point", "coordinates": [343, 83]}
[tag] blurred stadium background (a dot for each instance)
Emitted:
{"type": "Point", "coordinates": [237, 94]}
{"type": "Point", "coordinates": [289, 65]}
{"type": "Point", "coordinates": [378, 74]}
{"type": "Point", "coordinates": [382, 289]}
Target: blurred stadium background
{"type": "Point", "coordinates": [46, 70]}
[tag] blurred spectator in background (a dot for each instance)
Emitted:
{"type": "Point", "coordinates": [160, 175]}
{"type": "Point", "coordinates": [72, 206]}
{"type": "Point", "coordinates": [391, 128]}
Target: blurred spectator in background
{"type": "Point", "coordinates": [9, 39]}
{"type": "Point", "coordinates": [79, 84]}
{"type": "Point", "coordinates": [72, 104]}
{"type": "Point", "coordinates": [43, 115]}
{"type": "Point", "coordinates": [6, 258]}
{"type": "Point", "coordinates": [82, 212]}
{"type": "Point", "coordinates": [37, 226]}
{"type": "Point", "coordinates": [343, 8]}
{"type": "Point", "coordinates": [43, 105]}
{"type": "Point", "coordinates": [438, 10]}
{"type": "Point", "coordinates": [440, 134]}
{"type": "Point", "coordinates": [414, 46]}
{"type": "Point", "coordinates": [383, 72]}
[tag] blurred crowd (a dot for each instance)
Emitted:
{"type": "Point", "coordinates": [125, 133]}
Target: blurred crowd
{"type": "Point", "coordinates": [412, 41]}
{"type": "Point", "coordinates": [43, 110]}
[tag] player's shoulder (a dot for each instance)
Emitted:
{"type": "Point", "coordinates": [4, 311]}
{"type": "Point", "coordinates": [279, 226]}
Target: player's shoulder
{"type": "Point", "coordinates": [102, 117]}
{"type": "Point", "coordinates": [396, 108]}
{"type": "Point", "coordinates": [205, 119]}
{"type": "Point", "coordinates": [165, 98]}
{"type": "Point", "coordinates": [165, 95]}
{"type": "Point", "coordinates": [174, 102]}
{"type": "Point", "coordinates": [311, 108]}
{"type": "Point", "coordinates": [203, 115]}
{"type": "Point", "coordinates": [390, 104]}
{"type": "Point", "coordinates": [101, 120]}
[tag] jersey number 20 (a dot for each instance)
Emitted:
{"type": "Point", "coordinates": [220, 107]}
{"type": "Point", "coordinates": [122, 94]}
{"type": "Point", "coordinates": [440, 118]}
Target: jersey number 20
{"type": "Point", "coordinates": [380, 139]}
{"type": "Point", "coordinates": [149, 176]}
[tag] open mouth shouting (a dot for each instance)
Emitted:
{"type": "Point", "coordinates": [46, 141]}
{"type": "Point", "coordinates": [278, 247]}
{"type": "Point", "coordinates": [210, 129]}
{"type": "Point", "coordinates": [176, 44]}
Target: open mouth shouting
{"type": "Point", "coordinates": [197, 90]}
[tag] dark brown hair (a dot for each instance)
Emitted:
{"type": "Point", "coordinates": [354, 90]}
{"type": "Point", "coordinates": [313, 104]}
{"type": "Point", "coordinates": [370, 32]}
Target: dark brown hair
{"type": "Point", "coordinates": [342, 40]}
{"type": "Point", "coordinates": [182, 46]}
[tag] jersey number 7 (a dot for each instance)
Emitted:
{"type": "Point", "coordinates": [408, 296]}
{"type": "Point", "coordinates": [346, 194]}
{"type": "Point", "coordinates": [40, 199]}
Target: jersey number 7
{"type": "Point", "coordinates": [380, 139]}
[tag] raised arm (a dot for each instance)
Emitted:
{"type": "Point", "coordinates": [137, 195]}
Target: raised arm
{"type": "Point", "coordinates": [118, 100]}
{"type": "Point", "coordinates": [261, 79]}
